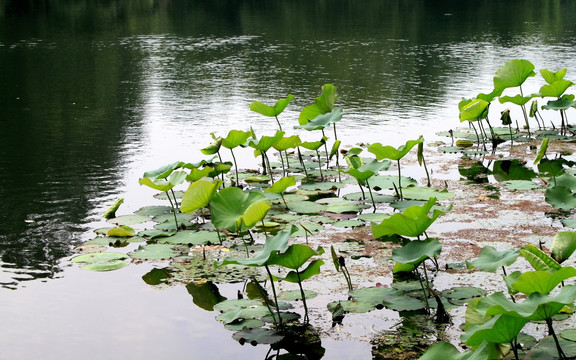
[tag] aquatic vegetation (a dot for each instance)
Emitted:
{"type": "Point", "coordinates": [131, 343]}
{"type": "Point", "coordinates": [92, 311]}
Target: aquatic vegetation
{"type": "Point", "coordinates": [272, 111]}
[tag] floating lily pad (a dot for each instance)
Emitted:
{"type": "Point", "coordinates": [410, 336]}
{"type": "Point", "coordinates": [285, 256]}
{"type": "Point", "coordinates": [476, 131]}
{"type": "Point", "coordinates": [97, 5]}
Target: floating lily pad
{"type": "Point", "coordinates": [388, 181]}
{"type": "Point", "coordinates": [461, 295]}
{"type": "Point", "coordinates": [349, 223]}
{"type": "Point", "coordinates": [373, 217]}
{"type": "Point", "coordinates": [569, 334]}
{"type": "Point", "coordinates": [105, 266]}
{"type": "Point", "coordinates": [156, 233]}
{"type": "Point", "coordinates": [158, 252]}
{"type": "Point", "coordinates": [312, 227]}
{"type": "Point", "coordinates": [561, 197]}
{"type": "Point", "coordinates": [153, 210]}
{"type": "Point", "coordinates": [378, 198]}
{"type": "Point", "coordinates": [105, 261]}
{"type": "Point", "coordinates": [350, 208]}
{"type": "Point", "coordinates": [294, 295]}
{"type": "Point", "coordinates": [191, 237]}
{"type": "Point", "coordinates": [425, 193]}
{"type": "Point", "coordinates": [352, 306]}
{"type": "Point", "coordinates": [121, 231]}
{"type": "Point", "coordinates": [321, 186]}
{"type": "Point", "coordinates": [182, 218]}
{"type": "Point", "coordinates": [248, 323]}
{"type": "Point", "coordinates": [257, 336]}
{"type": "Point", "coordinates": [306, 207]}
{"type": "Point", "coordinates": [520, 185]}
{"type": "Point", "coordinates": [129, 219]}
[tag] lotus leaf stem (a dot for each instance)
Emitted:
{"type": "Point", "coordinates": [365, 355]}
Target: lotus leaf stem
{"type": "Point", "coordinates": [371, 196]}
{"type": "Point", "coordinates": [173, 209]}
{"type": "Point", "coordinates": [235, 167]}
{"type": "Point", "coordinates": [278, 121]}
{"type": "Point", "coordinates": [274, 292]}
{"type": "Point", "coordinates": [306, 319]}
{"type": "Point", "coordinates": [551, 331]}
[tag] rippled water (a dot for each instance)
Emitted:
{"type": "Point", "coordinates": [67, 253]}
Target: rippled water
{"type": "Point", "coordinates": [93, 95]}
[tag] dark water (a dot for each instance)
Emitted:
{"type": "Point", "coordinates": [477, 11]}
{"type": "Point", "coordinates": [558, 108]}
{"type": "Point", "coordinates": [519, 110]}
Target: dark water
{"type": "Point", "coordinates": [94, 93]}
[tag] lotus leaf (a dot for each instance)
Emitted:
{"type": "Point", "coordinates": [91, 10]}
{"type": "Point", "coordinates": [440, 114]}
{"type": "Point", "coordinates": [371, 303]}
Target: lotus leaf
{"type": "Point", "coordinates": [282, 184]}
{"type": "Point", "coordinates": [563, 103]}
{"type": "Point", "coordinates": [474, 110]}
{"type": "Point", "coordinates": [271, 111]}
{"type": "Point", "coordinates": [191, 237]}
{"type": "Point", "coordinates": [129, 219]}
{"type": "Point", "coordinates": [491, 259]}
{"type": "Point", "coordinates": [322, 105]}
{"type": "Point", "coordinates": [412, 222]}
{"type": "Point", "coordinates": [348, 223]}
{"type": "Point", "coordinates": [417, 251]}
{"type": "Point", "coordinates": [538, 259]}
{"type": "Point", "coordinates": [294, 295]}
{"type": "Point", "coordinates": [162, 184]}
{"type": "Point", "coordinates": [462, 294]}
{"type": "Point", "coordinates": [537, 307]}
{"type": "Point", "coordinates": [547, 349]}
{"type": "Point", "coordinates": [265, 142]}
{"type": "Point", "coordinates": [513, 73]}
{"type": "Point", "coordinates": [285, 143]}
{"type": "Point", "coordinates": [236, 210]}
{"type": "Point", "coordinates": [158, 252]}
{"type": "Point", "coordinates": [501, 329]}
{"type": "Point", "coordinates": [388, 181]}
{"type": "Point", "coordinates": [258, 336]}
{"type": "Point", "coordinates": [98, 257]}
{"type": "Point", "coordinates": [297, 277]}
{"type": "Point", "coordinates": [198, 195]}
{"type": "Point", "coordinates": [520, 185]}
{"type": "Point", "coordinates": [164, 171]}
{"type": "Point", "coordinates": [389, 152]}
{"type": "Point", "coordinates": [295, 256]}
{"type": "Point", "coordinates": [111, 212]}
{"type": "Point", "coordinates": [322, 120]}
{"type": "Point", "coordinates": [425, 193]}
{"type": "Point", "coordinates": [551, 76]}
{"type": "Point", "coordinates": [121, 231]}
{"type": "Point", "coordinates": [105, 266]}
{"type": "Point", "coordinates": [542, 281]}
{"type": "Point", "coordinates": [351, 306]}
{"type": "Point", "coordinates": [561, 197]}
{"type": "Point", "coordinates": [518, 99]}
{"type": "Point", "coordinates": [153, 210]}
{"type": "Point", "coordinates": [556, 88]}
{"type": "Point", "coordinates": [235, 138]}
{"type": "Point", "coordinates": [563, 245]}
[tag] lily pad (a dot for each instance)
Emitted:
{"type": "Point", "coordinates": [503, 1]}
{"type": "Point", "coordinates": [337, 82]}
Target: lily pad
{"type": "Point", "coordinates": [349, 223]}
{"type": "Point", "coordinates": [257, 336]}
{"type": "Point", "coordinates": [188, 237]}
{"type": "Point", "coordinates": [490, 259]}
{"type": "Point", "coordinates": [248, 323]}
{"type": "Point", "coordinates": [158, 252]}
{"type": "Point", "coordinates": [294, 295]}
{"type": "Point", "coordinates": [105, 266]}
{"type": "Point", "coordinates": [388, 181]}
{"type": "Point", "coordinates": [352, 306]}
{"type": "Point", "coordinates": [306, 207]}
{"type": "Point", "coordinates": [378, 198]}
{"type": "Point", "coordinates": [520, 185]}
{"type": "Point", "coordinates": [98, 257]}
{"type": "Point", "coordinates": [424, 193]}
{"type": "Point", "coordinates": [373, 217]}
{"type": "Point", "coordinates": [129, 219]}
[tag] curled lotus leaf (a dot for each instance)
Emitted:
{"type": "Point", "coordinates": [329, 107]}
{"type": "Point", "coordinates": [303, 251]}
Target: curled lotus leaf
{"type": "Point", "coordinates": [491, 259]}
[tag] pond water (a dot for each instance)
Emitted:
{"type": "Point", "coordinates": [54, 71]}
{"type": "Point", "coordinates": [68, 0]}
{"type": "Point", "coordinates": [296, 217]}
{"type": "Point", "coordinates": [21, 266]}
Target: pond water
{"type": "Point", "coordinates": [95, 93]}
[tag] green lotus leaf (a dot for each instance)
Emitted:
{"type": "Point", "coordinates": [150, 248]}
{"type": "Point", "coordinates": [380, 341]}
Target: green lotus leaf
{"type": "Point", "coordinates": [443, 350]}
{"type": "Point", "coordinates": [314, 145]}
{"type": "Point", "coordinates": [363, 172]}
{"type": "Point", "coordinates": [157, 252]}
{"type": "Point", "coordinates": [197, 174]}
{"type": "Point", "coordinates": [568, 334]}
{"type": "Point", "coordinates": [312, 269]}
{"type": "Point", "coordinates": [213, 148]}
{"type": "Point", "coordinates": [187, 237]}
{"type": "Point", "coordinates": [561, 197]}
{"type": "Point", "coordinates": [416, 251]}
{"type": "Point", "coordinates": [307, 227]}
{"type": "Point", "coordinates": [373, 217]}
{"type": "Point", "coordinates": [153, 210]}
{"type": "Point", "coordinates": [271, 111]}
{"type": "Point", "coordinates": [121, 231]}
{"type": "Point", "coordinates": [198, 195]}
{"type": "Point", "coordinates": [538, 259]}
{"type": "Point", "coordinates": [335, 149]}
{"type": "Point", "coordinates": [105, 266]}
{"type": "Point", "coordinates": [282, 184]}
{"type": "Point", "coordinates": [205, 295]}
{"type": "Point", "coordinates": [271, 247]}
{"type": "Point", "coordinates": [164, 171]}
{"type": "Point", "coordinates": [491, 259]}
{"type": "Point", "coordinates": [322, 120]}
{"type": "Point", "coordinates": [412, 222]}
{"type": "Point", "coordinates": [392, 153]}
{"type": "Point", "coordinates": [513, 73]}
{"type": "Point", "coordinates": [351, 306]}
{"type": "Point", "coordinates": [285, 143]}
{"type": "Point", "coordinates": [512, 170]}
{"type": "Point", "coordinates": [474, 110]}
{"type": "Point", "coordinates": [162, 184]}
{"type": "Point", "coordinates": [244, 323]}
{"type": "Point", "coordinates": [536, 307]}
{"type": "Point", "coordinates": [563, 245]}
{"type": "Point", "coordinates": [462, 294]}
{"type": "Point", "coordinates": [265, 142]}
{"type": "Point", "coordinates": [547, 349]}
{"type": "Point", "coordinates": [294, 295]}
{"type": "Point", "coordinates": [98, 257]}
{"type": "Point", "coordinates": [374, 295]}
{"type": "Point", "coordinates": [111, 212]}
{"type": "Point", "coordinates": [321, 186]}
{"type": "Point", "coordinates": [129, 219]}
{"type": "Point", "coordinates": [555, 89]}
{"type": "Point", "coordinates": [541, 151]}
{"type": "Point", "coordinates": [306, 207]}
{"type": "Point", "coordinates": [551, 76]}
{"type": "Point", "coordinates": [295, 256]}
{"type": "Point", "coordinates": [346, 208]}
{"type": "Point", "coordinates": [520, 185]}
{"type": "Point", "coordinates": [235, 138]}
{"type": "Point", "coordinates": [258, 336]}
{"type": "Point", "coordinates": [232, 316]}
{"type": "Point", "coordinates": [511, 279]}
{"type": "Point", "coordinates": [236, 210]}
{"type": "Point", "coordinates": [566, 180]}
{"type": "Point", "coordinates": [388, 181]}
{"type": "Point", "coordinates": [425, 193]}
{"type": "Point", "coordinates": [563, 103]}
{"type": "Point", "coordinates": [518, 99]}
{"type": "Point", "coordinates": [322, 105]}
{"type": "Point", "coordinates": [501, 329]}
{"type": "Point", "coordinates": [542, 281]}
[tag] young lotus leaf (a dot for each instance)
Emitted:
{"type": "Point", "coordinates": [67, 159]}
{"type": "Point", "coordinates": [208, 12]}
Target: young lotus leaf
{"type": "Point", "coordinates": [111, 212]}
{"type": "Point", "coordinates": [296, 277]}
{"type": "Point", "coordinates": [417, 251]}
{"type": "Point", "coordinates": [513, 73]}
{"type": "Point", "coordinates": [314, 145]}
{"type": "Point", "coordinates": [555, 89]}
{"type": "Point", "coordinates": [285, 143]}
{"type": "Point", "coordinates": [542, 281]}
{"type": "Point", "coordinates": [474, 110]}
{"type": "Point", "coordinates": [390, 152]}
{"type": "Point", "coordinates": [162, 184]}
{"type": "Point", "coordinates": [236, 210]}
{"type": "Point", "coordinates": [541, 151]}
{"type": "Point", "coordinates": [501, 329]}
{"type": "Point", "coordinates": [539, 260]}
{"type": "Point", "coordinates": [271, 246]}
{"type": "Point", "coordinates": [265, 142]}
{"type": "Point", "coordinates": [362, 172]}
{"type": "Point", "coordinates": [271, 111]}
{"type": "Point", "coordinates": [491, 259]}
{"type": "Point", "coordinates": [537, 307]}
{"type": "Point", "coordinates": [518, 99]}
{"type": "Point", "coordinates": [235, 138]}
{"type": "Point", "coordinates": [197, 174]}
{"type": "Point", "coordinates": [281, 185]}
{"type": "Point", "coordinates": [322, 105]}
{"type": "Point", "coordinates": [213, 148]}
{"type": "Point", "coordinates": [198, 195]}
{"type": "Point", "coordinates": [551, 76]}
{"type": "Point", "coordinates": [295, 256]}
{"type": "Point", "coordinates": [412, 222]}
{"type": "Point", "coordinates": [121, 231]}
{"type": "Point", "coordinates": [563, 245]}
{"type": "Point", "coordinates": [164, 171]}
{"type": "Point", "coordinates": [321, 121]}
{"type": "Point", "coordinates": [205, 295]}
